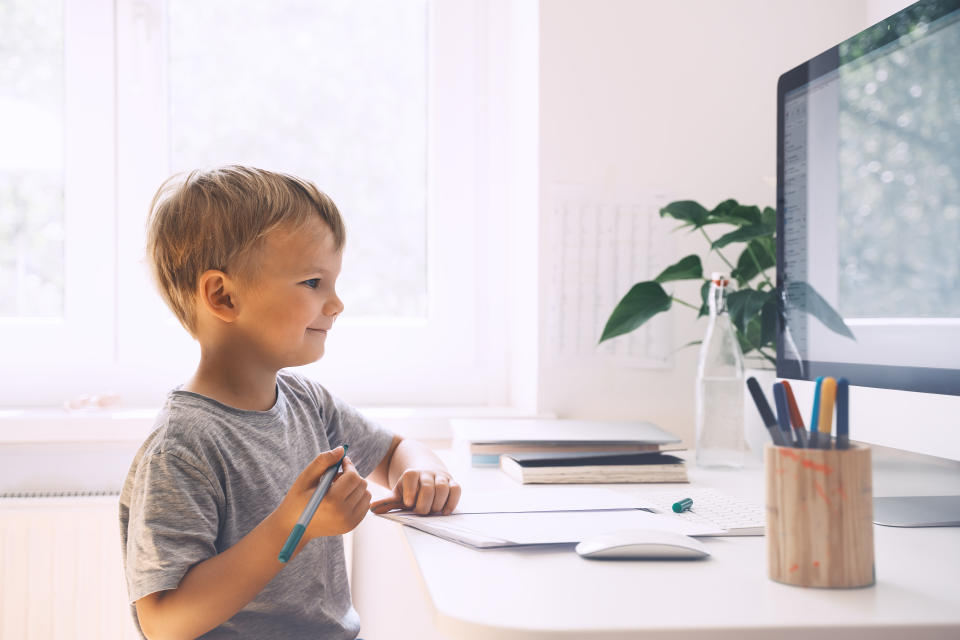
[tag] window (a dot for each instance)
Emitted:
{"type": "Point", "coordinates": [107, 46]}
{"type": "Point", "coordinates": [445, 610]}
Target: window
{"type": "Point", "coordinates": [56, 191]}
{"type": "Point", "coordinates": [31, 160]}
{"type": "Point", "coordinates": [380, 103]}
{"type": "Point", "coordinates": [332, 91]}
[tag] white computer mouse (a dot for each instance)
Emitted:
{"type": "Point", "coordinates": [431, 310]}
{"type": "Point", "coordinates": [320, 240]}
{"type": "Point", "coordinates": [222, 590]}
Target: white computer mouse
{"type": "Point", "coordinates": [642, 544]}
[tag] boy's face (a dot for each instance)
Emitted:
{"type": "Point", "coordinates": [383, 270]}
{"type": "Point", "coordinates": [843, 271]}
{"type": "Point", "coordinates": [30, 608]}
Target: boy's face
{"type": "Point", "coordinates": [290, 302]}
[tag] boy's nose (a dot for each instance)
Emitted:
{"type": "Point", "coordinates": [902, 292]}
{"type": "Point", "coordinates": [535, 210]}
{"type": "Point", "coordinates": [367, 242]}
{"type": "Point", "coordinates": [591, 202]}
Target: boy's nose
{"type": "Point", "coordinates": [334, 306]}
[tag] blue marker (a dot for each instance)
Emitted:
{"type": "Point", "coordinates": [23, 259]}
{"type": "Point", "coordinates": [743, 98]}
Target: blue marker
{"type": "Point", "coordinates": [815, 418]}
{"type": "Point", "coordinates": [843, 414]}
{"type": "Point", "coordinates": [783, 413]}
{"type": "Point", "coordinates": [322, 487]}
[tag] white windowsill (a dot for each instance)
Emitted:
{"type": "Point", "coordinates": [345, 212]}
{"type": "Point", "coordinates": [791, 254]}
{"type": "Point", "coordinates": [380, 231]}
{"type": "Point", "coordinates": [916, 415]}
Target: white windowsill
{"type": "Point", "coordinates": [47, 452]}
{"type": "Point", "coordinates": [18, 426]}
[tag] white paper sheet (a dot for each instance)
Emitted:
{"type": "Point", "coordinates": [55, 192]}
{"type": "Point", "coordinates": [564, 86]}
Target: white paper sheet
{"type": "Point", "coordinates": [484, 530]}
{"type": "Point", "coordinates": [546, 498]}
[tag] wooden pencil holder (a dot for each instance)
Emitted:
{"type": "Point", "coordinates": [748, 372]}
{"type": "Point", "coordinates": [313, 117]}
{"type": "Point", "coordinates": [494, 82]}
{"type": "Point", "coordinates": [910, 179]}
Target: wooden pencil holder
{"type": "Point", "coordinates": [819, 516]}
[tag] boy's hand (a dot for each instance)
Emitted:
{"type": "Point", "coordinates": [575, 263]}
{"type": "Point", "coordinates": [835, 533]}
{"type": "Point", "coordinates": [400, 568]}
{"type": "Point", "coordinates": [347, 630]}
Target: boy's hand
{"type": "Point", "coordinates": [340, 511]}
{"type": "Point", "coordinates": [423, 491]}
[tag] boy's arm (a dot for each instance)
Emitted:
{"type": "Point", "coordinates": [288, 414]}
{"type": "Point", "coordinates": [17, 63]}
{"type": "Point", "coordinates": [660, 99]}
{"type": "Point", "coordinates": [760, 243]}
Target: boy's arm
{"type": "Point", "coordinates": [419, 480]}
{"type": "Point", "coordinates": [214, 590]}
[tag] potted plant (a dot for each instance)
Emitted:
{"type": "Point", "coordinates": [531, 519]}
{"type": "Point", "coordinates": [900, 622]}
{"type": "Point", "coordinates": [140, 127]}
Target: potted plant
{"type": "Point", "coordinates": [753, 306]}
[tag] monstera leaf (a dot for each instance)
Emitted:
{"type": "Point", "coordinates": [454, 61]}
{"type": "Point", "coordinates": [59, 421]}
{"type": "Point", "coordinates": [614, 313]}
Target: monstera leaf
{"type": "Point", "coordinates": [642, 302]}
{"type": "Point", "coordinates": [753, 305]}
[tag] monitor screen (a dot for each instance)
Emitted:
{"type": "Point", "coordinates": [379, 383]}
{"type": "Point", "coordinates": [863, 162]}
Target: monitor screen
{"type": "Point", "coordinates": [868, 196]}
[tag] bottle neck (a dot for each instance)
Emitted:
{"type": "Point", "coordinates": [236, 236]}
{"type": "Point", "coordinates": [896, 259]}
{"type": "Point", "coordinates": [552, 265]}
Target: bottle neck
{"type": "Point", "coordinates": [718, 297]}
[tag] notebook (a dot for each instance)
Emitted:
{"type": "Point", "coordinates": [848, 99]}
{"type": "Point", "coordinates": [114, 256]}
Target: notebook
{"type": "Point", "coordinates": [569, 468]}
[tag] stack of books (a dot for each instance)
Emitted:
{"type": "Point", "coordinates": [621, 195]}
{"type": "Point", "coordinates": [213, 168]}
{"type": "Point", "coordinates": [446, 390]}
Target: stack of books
{"type": "Point", "coordinates": [547, 450]}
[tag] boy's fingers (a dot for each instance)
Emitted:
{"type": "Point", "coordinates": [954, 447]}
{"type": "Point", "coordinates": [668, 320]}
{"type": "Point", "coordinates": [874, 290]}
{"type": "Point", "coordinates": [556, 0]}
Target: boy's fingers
{"type": "Point", "coordinates": [328, 458]}
{"type": "Point", "coordinates": [386, 504]}
{"type": "Point", "coordinates": [381, 506]}
{"type": "Point", "coordinates": [347, 482]}
{"type": "Point", "coordinates": [452, 499]}
{"type": "Point", "coordinates": [360, 507]}
{"type": "Point", "coordinates": [440, 494]}
{"type": "Point", "coordinates": [311, 475]}
{"type": "Point", "coordinates": [356, 491]}
{"type": "Point", "coordinates": [356, 496]}
{"type": "Point", "coordinates": [425, 497]}
{"type": "Point", "coordinates": [382, 501]}
{"type": "Point", "coordinates": [347, 467]}
{"type": "Point", "coordinates": [363, 500]}
{"type": "Point", "coordinates": [409, 484]}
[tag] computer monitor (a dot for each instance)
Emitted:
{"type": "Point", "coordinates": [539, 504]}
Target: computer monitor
{"type": "Point", "coordinates": [868, 203]}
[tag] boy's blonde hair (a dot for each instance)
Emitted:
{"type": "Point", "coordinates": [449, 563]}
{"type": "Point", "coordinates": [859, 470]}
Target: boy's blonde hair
{"type": "Point", "coordinates": [214, 219]}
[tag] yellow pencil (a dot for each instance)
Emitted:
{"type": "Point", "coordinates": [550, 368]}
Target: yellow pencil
{"type": "Point", "coordinates": [828, 394]}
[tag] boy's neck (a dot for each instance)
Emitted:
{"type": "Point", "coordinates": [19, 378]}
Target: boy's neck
{"type": "Point", "coordinates": [236, 386]}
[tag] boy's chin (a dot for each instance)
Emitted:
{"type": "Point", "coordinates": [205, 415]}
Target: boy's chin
{"type": "Point", "coordinates": [305, 359]}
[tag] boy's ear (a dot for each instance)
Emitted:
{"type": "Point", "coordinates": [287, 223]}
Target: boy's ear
{"type": "Point", "coordinates": [218, 295]}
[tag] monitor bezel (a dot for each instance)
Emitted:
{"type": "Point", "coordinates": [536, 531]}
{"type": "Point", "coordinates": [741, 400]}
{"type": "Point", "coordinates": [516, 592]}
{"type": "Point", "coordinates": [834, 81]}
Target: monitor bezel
{"type": "Point", "coordinates": [921, 379]}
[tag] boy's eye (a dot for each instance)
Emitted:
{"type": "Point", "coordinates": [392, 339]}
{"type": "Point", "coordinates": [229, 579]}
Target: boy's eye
{"type": "Point", "coordinates": [313, 283]}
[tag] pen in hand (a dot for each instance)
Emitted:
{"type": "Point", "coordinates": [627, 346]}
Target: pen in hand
{"type": "Point", "coordinates": [322, 487]}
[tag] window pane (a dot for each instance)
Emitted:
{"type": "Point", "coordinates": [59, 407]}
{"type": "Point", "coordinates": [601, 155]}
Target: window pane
{"type": "Point", "coordinates": [333, 91]}
{"type": "Point", "coordinates": [31, 158]}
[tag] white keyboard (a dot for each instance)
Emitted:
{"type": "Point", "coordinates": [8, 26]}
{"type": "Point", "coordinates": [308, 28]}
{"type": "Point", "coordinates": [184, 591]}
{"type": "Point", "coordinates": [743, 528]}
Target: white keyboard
{"type": "Point", "coordinates": [712, 507]}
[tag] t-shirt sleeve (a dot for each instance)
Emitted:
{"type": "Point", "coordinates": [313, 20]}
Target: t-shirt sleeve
{"type": "Point", "coordinates": [369, 441]}
{"type": "Point", "coordinates": [174, 518]}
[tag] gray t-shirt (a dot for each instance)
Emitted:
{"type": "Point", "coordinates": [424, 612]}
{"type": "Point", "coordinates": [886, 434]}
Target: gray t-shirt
{"type": "Point", "coordinates": [210, 473]}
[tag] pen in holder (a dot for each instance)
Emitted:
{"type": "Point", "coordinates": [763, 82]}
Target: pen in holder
{"type": "Point", "coordinates": [819, 516]}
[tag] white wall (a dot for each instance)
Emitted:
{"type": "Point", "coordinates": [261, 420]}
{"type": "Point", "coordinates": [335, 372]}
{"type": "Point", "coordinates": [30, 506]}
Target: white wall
{"type": "Point", "coordinates": [676, 95]}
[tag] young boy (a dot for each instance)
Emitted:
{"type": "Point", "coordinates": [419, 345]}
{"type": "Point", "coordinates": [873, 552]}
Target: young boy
{"type": "Point", "coordinates": [247, 260]}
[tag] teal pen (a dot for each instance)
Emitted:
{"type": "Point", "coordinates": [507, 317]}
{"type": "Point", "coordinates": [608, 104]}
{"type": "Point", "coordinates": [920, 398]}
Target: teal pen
{"type": "Point", "coordinates": [815, 418]}
{"type": "Point", "coordinates": [322, 487]}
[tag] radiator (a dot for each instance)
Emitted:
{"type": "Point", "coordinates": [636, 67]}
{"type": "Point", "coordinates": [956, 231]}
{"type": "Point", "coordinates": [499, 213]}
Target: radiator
{"type": "Point", "coordinates": [61, 572]}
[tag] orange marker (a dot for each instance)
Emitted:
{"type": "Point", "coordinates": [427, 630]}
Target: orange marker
{"type": "Point", "coordinates": [795, 418]}
{"type": "Point", "coordinates": [828, 394]}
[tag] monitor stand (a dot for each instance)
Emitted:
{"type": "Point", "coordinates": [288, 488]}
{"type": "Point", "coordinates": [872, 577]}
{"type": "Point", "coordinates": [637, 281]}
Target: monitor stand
{"type": "Point", "coordinates": [917, 511]}
{"type": "Point", "coordinates": [915, 490]}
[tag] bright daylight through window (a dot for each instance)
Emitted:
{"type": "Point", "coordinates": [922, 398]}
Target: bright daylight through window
{"type": "Point", "coordinates": [335, 92]}
{"type": "Point", "coordinates": [379, 103]}
{"type": "Point", "coordinates": [31, 159]}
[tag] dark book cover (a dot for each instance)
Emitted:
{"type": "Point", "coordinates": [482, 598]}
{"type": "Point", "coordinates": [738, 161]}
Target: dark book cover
{"type": "Point", "coordinates": [593, 459]}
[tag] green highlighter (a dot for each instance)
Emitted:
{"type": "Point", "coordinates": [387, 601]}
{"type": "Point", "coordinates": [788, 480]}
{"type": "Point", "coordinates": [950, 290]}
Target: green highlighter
{"type": "Point", "coordinates": [322, 487]}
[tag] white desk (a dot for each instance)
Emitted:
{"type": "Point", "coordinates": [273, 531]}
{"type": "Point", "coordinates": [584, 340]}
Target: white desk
{"type": "Point", "coordinates": [552, 592]}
